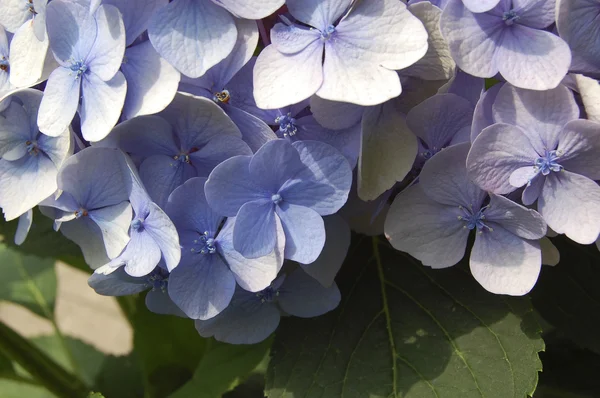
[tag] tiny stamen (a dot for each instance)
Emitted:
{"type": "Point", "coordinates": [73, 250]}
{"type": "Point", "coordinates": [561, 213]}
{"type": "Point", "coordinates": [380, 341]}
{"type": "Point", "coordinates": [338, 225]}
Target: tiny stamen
{"type": "Point", "coordinates": [287, 125]}
{"type": "Point", "coordinates": [222, 97]}
{"type": "Point", "coordinates": [510, 17]}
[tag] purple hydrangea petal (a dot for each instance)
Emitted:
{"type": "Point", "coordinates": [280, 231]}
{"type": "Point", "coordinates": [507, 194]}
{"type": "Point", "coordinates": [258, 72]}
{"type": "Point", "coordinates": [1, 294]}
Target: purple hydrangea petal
{"type": "Point", "coordinates": [142, 136]}
{"type": "Point", "coordinates": [290, 39]}
{"type": "Point", "coordinates": [577, 24]}
{"type": "Point", "coordinates": [13, 14]}
{"type": "Point", "coordinates": [304, 297]}
{"type": "Point", "coordinates": [466, 86]}
{"type": "Point", "coordinates": [438, 119]}
{"type": "Point", "coordinates": [570, 204]}
{"type": "Point", "coordinates": [425, 229]}
{"type": "Point", "coordinates": [136, 15]}
{"type": "Point", "coordinates": [504, 263]}
{"type": "Point", "coordinates": [202, 289]}
{"type": "Point", "coordinates": [496, 153]}
{"type": "Point", "coordinates": [472, 38]}
{"type": "Point", "coordinates": [117, 283]}
{"type": "Point", "coordinates": [537, 14]}
{"type": "Point", "coordinates": [60, 102]}
{"type": "Point", "coordinates": [215, 151]}
{"type": "Point", "coordinates": [539, 62]}
{"type": "Point", "coordinates": [444, 179]}
{"type": "Point", "coordinates": [533, 191]}
{"type": "Point", "coordinates": [480, 5]}
{"type": "Point", "coordinates": [255, 132]}
{"type": "Point", "coordinates": [516, 219]}
{"type": "Point", "coordinates": [230, 186]}
{"type": "Point", "coordinates": [325, 268]}
{"type": "Point", "coordinates": [304, 232]}
{"type": "Point", "coordinates": [540, 114]}
{"type": "Point", "coordinates": [278, 82]}
{"type": "Point", "coordinates": [335, 115]}
{"type": "Point", "coordinates": [437, 63]}
{"type": "Point", "coordinates": [88, 236]}
{"type": "Point", "coordinates": [101, 105]}
{"type": "Point", "coordinates": [313, 195]}
{"type": "Point", "coordinates": [24, 183]}
{"type": "Point", "coordinates": [140, 256]}
{"type": "Point", "coordinates": [71, 29]}
{"type": "Point", "coordinates": [275, 163]}
{"type": "Point", "coordinates": [114, 224]}
{"type": "Point", "coordinates": [161, 174]}
{"type": "Point", "coordinates": [522, 176]}
{"type": "Point", "coordinates": [327, 166]}
{"type": "Point", "coordinates": [28, 56]}
{"type": "Point", "coordinates": [106, 55]}
{"type": "Point", "coordinates": [161, 229]}
{"type": "Point", "coordinates": [318, 13]}
{"type": "Point", "coordinates": [193, 35]}
{"type": "Point", "coordinates": [159, 302]}
{"type": "Point", "coordinates": [151, 81]}
{"type": "Point", "coordinates": [255, 274]}
{"type": "Point", "coordinates": [580, 144]}
{"type": "Point", "coordinates": [483, 116]}
{"type": "Point", "coordinates": [100, 183]}
{"type": "Point", "coordinates": [188, 209]}
{"type": "Point", "coordinates": [255, 230]}
{"type": "Point", "coordinates": [589, 90]}
{"type": "Point", "coordinates": [23, 227]}
{"type": "Point", "coordinates": [251, 9]}
{"type": "Point", "coordinates": [245, 321]}
{"type": "Point", "coordinates": [15, 131]}
{"type": "Point", "coordinates": [388, 150]}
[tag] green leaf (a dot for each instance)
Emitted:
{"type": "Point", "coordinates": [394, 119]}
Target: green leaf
{"type": "Point", "coordinates": [28, 280]}
{"type": "Point", "coordinates": [222, 368]}
{"type": "Point", "coordinates": [17, 389]}
{"type": "Point", "coordinates": [40, 366]}
{"type": "Point", "coordinates": [567, 295]}
{"type": "Point", "coordinates": [95, 395]}
{"type": "Point", "coordinates": [405, 330]}
{"type": "Point", "coordinates": [44, 242]}
{"type": "Point", "coordinates": [169, 348]}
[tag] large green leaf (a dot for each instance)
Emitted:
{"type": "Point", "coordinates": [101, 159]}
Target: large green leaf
{"type": "Point", "coordinates": [403, 330]}
{"type": "Point", "coordinates": [43, 241]}
{"type": "Point", "coordinates": [222, 368]}
{"type": "Point", "coordinates": [28, 280]}
{"type": "Point", "coordinates": [567, 294]}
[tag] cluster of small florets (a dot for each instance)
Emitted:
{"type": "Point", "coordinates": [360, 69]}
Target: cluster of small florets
{"type": "Point", "coordinates": [226, 184]}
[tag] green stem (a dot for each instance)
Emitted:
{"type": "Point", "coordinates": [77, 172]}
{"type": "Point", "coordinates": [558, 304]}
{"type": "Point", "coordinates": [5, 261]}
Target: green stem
{"type": "Point", "coordinates": [41, 367]}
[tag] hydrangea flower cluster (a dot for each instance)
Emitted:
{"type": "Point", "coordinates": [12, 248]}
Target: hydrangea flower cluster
{"type": "Point", "coordinates": [217, 153]}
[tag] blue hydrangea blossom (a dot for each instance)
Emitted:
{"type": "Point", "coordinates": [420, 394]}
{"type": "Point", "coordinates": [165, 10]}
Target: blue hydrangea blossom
{"type": "Point", "coordinates": [538, 143]}
{"type": "Point", "coordinates": [252, 317]}
{"type": "Point", "coordinates": [508, 39]}
{"type": "Point", "coordinates": [93, 209]}
{"type": "Point", "coordinates": [577, 24]}
{"type": "Point", "coordinates": [433, 219]}
{"type": "Point", "coordinates": [89, 49]}
{"type": "Point", "coordinates": [30, 160]}
{"type": "Point", "coordinates": [292, 183]}
{"type": "Point", "coordinates": [203, 283]}
{"type": "Point", "coordinates": [346, 54]}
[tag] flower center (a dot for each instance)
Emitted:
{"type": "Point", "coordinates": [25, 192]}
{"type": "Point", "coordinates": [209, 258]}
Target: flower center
{"type": "Point", "coordinates": [474, 220]}
{"type": "Point", "coordinates": [158, 280]}
{"type": "Point", "coordinates": [287, 125]}
{"type": "Point", "coordinates": [32, 148]}
{"type": "Point", "coordinates": [81, 213]}
{"type": "Point", "coordinates": [548, 163]}
{"type": "Point", "coordinates": [204, 244]}
{"type": "Point", "coordinates": [30, 7]}
{"type": "Point", "coordinates": [327, 33]}
{"type": "Point", "coordinates": [137, 224]}
{"type": "Point", "coordinates": [276, 198]}
{"type": "Point", "coordinates": [222, 97]}
{"type": "Point", "coordinates": [510, 17]}
{"type": "Point", "coordinates": [4, 65]}
{"type": "Point", "coordinates": [183, 158]}
{"type": "Point", "coordinates": [79, 68]}
{"type": "Point", "coordinates": [268, 295]}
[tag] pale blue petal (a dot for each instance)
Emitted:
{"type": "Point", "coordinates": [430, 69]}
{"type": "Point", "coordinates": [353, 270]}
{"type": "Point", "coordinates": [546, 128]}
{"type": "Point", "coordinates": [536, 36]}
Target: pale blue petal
{"type": "Point", "coordinates": [60, 102]}
{"type": "Point", "coordinates": [483, 116]}
{"type": "Point", "coordinates": [193, 35]}
{"type": "Point", "coordinates": [161, 174]}
{"type": "Point", "coordinates": [117, 283]}
{"type": "Point", "coordinates": [580, 145]}
{"type": "Point", "coordinates": [251, 9]}
{"type": "Point", "coordinates": [161, 229]}
{"type": "Point", "coordinates": [274, 164]}
{"type": "Point", "coordinates": [516, 219]}
{"type": "Point", "coordinates": [480, 5]}
{"type": "Point", "coordinates": [255, 132]}
{"type": "Point", "coordinates": [304, 232]}
{"type": "Point", "coordinates": [159, 302]}
{"type": "Point", "coordinates": [141, 255]}
{"type": "Point", "coordinates": [114, 224]}
{"type": "Point", "coordinates": [217, 150]}
{"type": "Point", "coordinates": [318, 13]}
{"type": "Point", "coordinates": [136, 15]}
{"type": "Point", "coordinates": [107, 53]}
{"type": "Point", "coordinates": [290, 39]}
{"type": "Point", "coordinates": [255, 230]}
{"type": "Point", "coordinates": [72, 31]}
{"type": "Point", "coordinates": [23, 227]}
{"type": "Point", "coordinates": [88, 236]}
{"type": "Point", "coordinates": [304, 297]}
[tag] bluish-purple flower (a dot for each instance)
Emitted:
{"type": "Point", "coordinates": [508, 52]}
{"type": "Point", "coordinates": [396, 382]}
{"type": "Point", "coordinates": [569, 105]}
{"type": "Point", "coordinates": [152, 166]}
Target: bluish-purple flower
{"type": "Point", "coordinates": [89, 49]}
{"type": "Point", "coordinates": [432, 221]}
{"type": "Point", "coordinates": [345, 54]}
{"type": "Point", "coordinates": [577, 24]}
{"type": "Point", "coordinates": [510, 39]}
{"type": "Point", "coordinates": [252, 317]}
{"type": "Point", "coordinates": [203, 283]}
{"type": "Point", "coordinates": [538, 143]}
{"type": "Point", "coordinates": [295, 184]}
